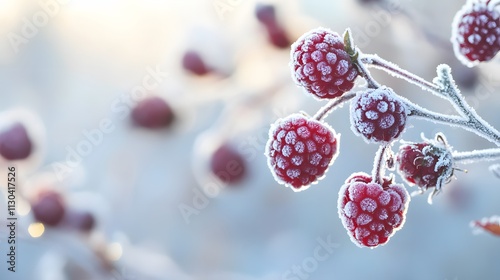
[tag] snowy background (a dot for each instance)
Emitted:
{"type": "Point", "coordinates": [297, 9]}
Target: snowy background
{"type": "Point", "coordinates": [67, 78]}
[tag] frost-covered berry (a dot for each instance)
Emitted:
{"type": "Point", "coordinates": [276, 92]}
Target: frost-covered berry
{"type": "Point", "coordinates": [378, 115]}
{"type": "Point", "coordinates": [78, 220]}
{"type": "Point", "coordinates": [228, 164]}
{"type": "Point", "coordinates": [426, 164]}
{"type": "Point", "coordinates": [476, 32]}
{"type": "Point", "coordinates": [321, 64]}
{"type": "Point", "coordinates": [15, 143]}
{"type": "Point", "coordinates": [48, 208]}
{"type": "Point", "coordinates": [370, 212]}
{"type": "Point", "coordinates": [152, 112]}
{"type": "Point", "coordinates": [193, 62]}
{"type": "Point", "coordinates": [300, 150]}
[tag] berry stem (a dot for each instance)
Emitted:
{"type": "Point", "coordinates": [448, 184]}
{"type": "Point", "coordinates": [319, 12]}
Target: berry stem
{"type": "Point", "coordinates": [475, 126]}
{"type": "Point", "coordinates": [396, 71]}
{"type": "Point", "coordinates": [472, 156]}
{"type": "Point", "coordinates": [378, 168]}
{"type": "Point", "coordinates": [365, 73]}
{"type": "Point", "coordinates": [332, 105]}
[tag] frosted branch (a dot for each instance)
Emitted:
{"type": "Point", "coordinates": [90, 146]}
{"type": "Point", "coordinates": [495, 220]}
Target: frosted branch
{"type": "Point", "coordinates": [332, 105]}
{"type": "Point", "coordinates": [396, 71]}
{"type": "Point", "coordinates": [477, 155]}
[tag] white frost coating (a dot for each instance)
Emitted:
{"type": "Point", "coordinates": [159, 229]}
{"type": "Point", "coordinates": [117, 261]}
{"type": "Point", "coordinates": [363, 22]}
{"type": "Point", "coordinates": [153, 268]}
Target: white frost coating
{"type": "Point", "coordinates": [383, 214]}
{"type": "Point", "coordinates": [326, 149]}
{"type": "Point", "coordinates": [384, 198]}
{"type": "Point", "coordinates": [386, 121]}
{"type": "Point", "coordinates": [291, 137]}
{"type": "Point", "coordinates": [342, 67]}
{"type": "Point", "coordinates": [287, 150]}
{"type": "Point", "coordinates": [299, 147]}
{"type": "Point", "coordinates": [293, 173]}
{"type": "Point", "coordinates": [361, 233]}
{"type": "Point", "coordinates": [281, 162]}
{"type": "Point", "coordinates": [319, 139]}
{"type": "Point", "coordinates": [331, 58]}
{"type": "Point", "coordinates": [363, 219]}
{"type": "Point", "coordinates": [351, 209]}
{"type": "Point", "coordinates": [474, 39]}
{"type": "Point", "coordinates": [297, 160]}
{"type": "Point", "coordinates": [308, 69]}
{"type": "Point", "coordinates": [396, 202]}
{"type": "Point", "coordinates": [382, 106]}
{"type": "Point", "coordinates": [280, 135]}
{"type": "Point", "coordinates": [372, 241]}
{"type": "Point", "coordinates": [490, 224]}
{"type": "Point", "coordinates": [371, 115]}
{"type": "Point", "coordinates": [324, 68]}
{"type": "Point", "coordinates": [303, 132]}
{"type": "Point", "coordinates": [368, 205]}
{"type": "Point", "coordinates": [311, 146]}
{"type": "Point", "coordinates": [315, 159]}
{"type": "Point", "coordinates": [317, 56]}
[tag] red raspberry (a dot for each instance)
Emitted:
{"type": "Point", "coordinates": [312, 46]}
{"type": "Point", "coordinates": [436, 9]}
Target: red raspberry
{"type": "Point", "coordinates": [378, 115]}
{"type": "Point", "coordinates": [15, 143]}
{"type": "Point", "coordinates": [476, 32]}
{"type": "Point", "coordinates": [228, 164]}
{"type": "Point", "coordinates": [192, 62]}
{"type": "Point", "coordinates": [153, 112]}
{"type": "Point", "coordinates": [321, 64]}
{"type": "Point", "coordinates": [275, 32]}
{"type": "Point", "coordinates": [300, 150]}
{"type": "Point", "coordinates": [427, 164]}
{"type": "Point", "coordinates": [371, 212]}
{"type": "Point", "coordinates": [49, 208]}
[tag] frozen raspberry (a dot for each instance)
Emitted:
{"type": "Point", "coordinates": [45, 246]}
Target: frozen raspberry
{"type": "Point", "coordinates": [371, 213]}
{"type": "Point", "coordinates": [192, 62]}
{"type": "Point", "coordinates": [228, 164]}
{"type": "Point", "coordinates": [476, 32]}
{"type": "Point", "coordinates": [265, 13]}
{"type": "Point", "coordinates": [321, 64]}
{"type": "Point", "coordinates": [300, 150]}
{"type": "Point", "coordinates": [48, 208]}
{"type": "Point", "coordinates": [152, 112]}
{"type": "Point", "coordinates": [15, 143]}
{"type": "Point", "coordinates": [275, 32]}
{"type": "Point", "coordinates": [427, 164]}
{"type": "Point", "coordinates": [378, 115]}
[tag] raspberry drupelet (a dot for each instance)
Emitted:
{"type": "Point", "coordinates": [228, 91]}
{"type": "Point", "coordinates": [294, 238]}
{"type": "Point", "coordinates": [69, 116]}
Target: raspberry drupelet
{"type": "Point", "coordinates": [300, 150]}
{"type": "Point", "coordinates": [372, 212]}
{"type": "Point", "coordinates": [378, 115]}
{"type": "Point", "coordinates": [320, 64]}
{"type": "Point", "coordinates": [476, 32]}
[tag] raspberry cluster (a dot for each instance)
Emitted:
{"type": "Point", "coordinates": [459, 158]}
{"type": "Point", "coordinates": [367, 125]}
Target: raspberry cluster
{"type": "Point", "coordinates": [300, 150]}
{"type": "Point", "coordinates": [476, 32]}
{"type": "Point", "coordinates": [321, 64]}
{"type": "Point", "coordinates": [372, 212]}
